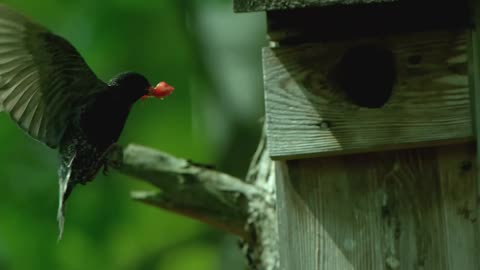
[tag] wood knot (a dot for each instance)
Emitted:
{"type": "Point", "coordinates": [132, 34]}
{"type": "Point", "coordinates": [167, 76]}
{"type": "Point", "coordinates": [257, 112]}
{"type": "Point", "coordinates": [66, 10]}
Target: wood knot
{"type": "Point", "coordinates": [324, 125]}
{"type": "Point", "coordinates": [466, 165]}
{"type": "Point", "coordinates": [414, 59]}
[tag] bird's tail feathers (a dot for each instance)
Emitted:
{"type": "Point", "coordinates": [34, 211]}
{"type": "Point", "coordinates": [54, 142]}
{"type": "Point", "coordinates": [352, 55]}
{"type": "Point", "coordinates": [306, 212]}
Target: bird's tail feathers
{"type": "Point", "coordinates": [65, 188]}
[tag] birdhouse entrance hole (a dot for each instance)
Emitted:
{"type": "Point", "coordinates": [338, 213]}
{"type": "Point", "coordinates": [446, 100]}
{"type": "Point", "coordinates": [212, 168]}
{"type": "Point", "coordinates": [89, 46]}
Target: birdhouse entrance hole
{"type": "Point", "coordinates": [366, 73]}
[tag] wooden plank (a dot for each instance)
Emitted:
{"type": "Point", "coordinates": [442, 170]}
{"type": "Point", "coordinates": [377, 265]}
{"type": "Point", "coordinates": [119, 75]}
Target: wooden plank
{"type": "Point", "coordinates": [359, 21]}
{"type": "Point", "coordinates": [474, 68]}
{"type": "Point", "coordinates": [308, 115]}
{"type": "Point", "coordinates": [262, 5]}
{"type": "Point", "coordinates": [408, 209]}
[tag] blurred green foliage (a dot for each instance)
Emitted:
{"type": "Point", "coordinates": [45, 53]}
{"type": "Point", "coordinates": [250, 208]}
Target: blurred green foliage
{"type": "Point", "coordinates": [212, 57]}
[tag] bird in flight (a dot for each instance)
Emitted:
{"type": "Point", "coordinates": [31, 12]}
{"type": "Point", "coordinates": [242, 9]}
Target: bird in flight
{"type": "Point", "coordinates": [50, 92]}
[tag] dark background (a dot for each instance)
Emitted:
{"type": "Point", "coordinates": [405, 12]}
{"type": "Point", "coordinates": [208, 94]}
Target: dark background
{"type": "Point", "coordinates": [212, 57]}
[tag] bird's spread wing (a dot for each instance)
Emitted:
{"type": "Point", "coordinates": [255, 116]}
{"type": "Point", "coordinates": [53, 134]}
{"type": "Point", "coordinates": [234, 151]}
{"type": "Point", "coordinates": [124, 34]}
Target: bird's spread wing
{"type": "Point", "coordinates": [43, 79]}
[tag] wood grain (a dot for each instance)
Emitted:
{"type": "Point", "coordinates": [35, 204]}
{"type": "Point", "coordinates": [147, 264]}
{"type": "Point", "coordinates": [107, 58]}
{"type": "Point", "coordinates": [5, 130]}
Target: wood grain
{"type": "Point", "coordinates": [474, 67]}
{"type": "Point", "coordinates": [308, 115]}
{"type": "Point", "coordinates": [262, 5]}
{"type": "Point", "coordinates": [408, 209]}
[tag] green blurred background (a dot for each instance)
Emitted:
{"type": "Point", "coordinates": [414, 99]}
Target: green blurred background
{"type": "Point", "coordinates": [212, 57]}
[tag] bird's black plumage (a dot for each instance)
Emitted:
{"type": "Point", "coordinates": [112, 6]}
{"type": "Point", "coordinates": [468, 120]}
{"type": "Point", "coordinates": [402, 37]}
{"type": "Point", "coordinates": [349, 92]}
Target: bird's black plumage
{"type": "Point", "coordinates": [93, 131]}
{"type": "Point", "coordinates": [50, 92]}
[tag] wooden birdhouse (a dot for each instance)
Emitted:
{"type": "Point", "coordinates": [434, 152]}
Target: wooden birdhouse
{"type": "Point", "coordinates": [372, 112]}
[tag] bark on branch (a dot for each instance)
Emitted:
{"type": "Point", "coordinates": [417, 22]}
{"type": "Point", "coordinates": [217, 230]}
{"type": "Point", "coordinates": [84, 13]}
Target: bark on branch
{"type": "Point", "coordinates": [244, 208]}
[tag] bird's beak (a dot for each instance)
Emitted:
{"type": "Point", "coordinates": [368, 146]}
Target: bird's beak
{"type": "Point", "coordinates": [162, 90]}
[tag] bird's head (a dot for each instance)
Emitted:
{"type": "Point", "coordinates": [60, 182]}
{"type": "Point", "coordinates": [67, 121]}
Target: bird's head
{"type": "Point", "coordinates": [135, 86]}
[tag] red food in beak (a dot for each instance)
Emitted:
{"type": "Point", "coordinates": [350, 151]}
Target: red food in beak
{"type": "Point", "coordinates": [162, 90]}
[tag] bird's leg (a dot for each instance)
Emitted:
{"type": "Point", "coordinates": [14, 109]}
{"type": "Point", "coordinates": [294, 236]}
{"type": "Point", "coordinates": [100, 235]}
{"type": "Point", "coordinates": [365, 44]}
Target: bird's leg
{"type": "Point", "coordinates": [113, 156]}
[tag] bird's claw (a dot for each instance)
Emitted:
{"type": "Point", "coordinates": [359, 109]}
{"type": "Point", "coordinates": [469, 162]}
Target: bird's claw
{"type": "Point", "coordinates": [113, 157]}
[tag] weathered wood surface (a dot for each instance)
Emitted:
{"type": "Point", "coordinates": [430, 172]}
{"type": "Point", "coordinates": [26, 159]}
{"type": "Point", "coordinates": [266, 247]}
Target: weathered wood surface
{"type": "Point", "coordinates": [308, 115]}
{"type": "Point", "coordinates": [360, 21]}
{"type": "Point", "coordinates": [409, 209]}
{"type": "Point", "coordinates": [261, 5]}
{"type": "Point", "coordinates": [474, 67]}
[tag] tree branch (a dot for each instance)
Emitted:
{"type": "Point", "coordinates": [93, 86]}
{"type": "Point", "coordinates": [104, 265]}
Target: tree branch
{"type": "Point", "coordinates": [262, 252]}
{"type": "Point", "coordinates": [201, 193]}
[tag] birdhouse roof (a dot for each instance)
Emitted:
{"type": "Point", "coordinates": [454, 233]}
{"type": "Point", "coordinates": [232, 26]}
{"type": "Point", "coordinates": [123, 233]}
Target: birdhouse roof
{"type": "Point", "coordinates": [262, 5]}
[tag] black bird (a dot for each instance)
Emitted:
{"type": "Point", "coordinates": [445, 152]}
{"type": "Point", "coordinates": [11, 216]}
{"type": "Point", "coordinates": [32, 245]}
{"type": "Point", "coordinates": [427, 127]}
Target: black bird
{"type": "Point", "coordinates": [50, 92]}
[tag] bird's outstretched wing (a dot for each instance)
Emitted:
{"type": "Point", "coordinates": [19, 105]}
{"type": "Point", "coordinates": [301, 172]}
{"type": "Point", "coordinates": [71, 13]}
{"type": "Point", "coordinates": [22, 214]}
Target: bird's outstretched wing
{"type": "Point", "coordinates": [43, 79]}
